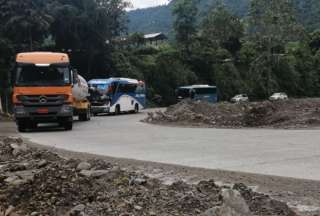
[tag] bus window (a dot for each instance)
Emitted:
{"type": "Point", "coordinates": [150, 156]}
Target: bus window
{"type": "Point", "coordinates": [201, 91]}
{"type": "Point", "coordinates": [127, 88]}
{"type": "Point", "coordinates": [140, 89]}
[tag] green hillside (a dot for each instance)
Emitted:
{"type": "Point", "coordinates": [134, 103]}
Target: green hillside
{"type": "Point", "coordinates": [160, 19]}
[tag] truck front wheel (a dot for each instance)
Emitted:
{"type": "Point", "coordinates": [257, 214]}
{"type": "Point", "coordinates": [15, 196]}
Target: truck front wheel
{"type": "Point", "coordinates": [68, 125]}
{"type": "Point", "coordinates": [22, 126]}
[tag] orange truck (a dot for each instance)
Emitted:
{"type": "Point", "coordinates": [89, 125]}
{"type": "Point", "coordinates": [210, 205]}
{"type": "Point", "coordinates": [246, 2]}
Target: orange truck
{"type": "Point", "coordinates": [46, 89]}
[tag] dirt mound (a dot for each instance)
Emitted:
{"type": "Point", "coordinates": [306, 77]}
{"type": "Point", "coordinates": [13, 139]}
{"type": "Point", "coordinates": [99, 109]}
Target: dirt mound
{"type": "Point", "coordinates": [294, 113]}
{"type": "Point", "coordinates": [36, 182]}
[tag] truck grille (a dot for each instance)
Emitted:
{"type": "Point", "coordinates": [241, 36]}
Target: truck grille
{"type": "Point", "coordinates": [42, 100]}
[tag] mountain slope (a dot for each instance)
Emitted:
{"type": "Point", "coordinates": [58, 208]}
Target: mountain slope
{"type": "Point", "coordinates": [160, 19]}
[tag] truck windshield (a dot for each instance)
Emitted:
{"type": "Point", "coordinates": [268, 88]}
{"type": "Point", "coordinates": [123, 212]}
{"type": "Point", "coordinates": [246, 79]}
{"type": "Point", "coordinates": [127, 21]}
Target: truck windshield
{"type": "Point", "coordinates": [33, 75]}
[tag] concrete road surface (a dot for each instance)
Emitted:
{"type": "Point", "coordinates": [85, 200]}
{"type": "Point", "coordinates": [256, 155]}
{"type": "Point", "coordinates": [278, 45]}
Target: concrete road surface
{"type": "Point", "coordinates": [290, 153]}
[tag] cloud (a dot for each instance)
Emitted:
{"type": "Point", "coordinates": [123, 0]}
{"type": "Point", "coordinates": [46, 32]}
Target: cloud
{"type": "Point", "coordinates": [147, 3]}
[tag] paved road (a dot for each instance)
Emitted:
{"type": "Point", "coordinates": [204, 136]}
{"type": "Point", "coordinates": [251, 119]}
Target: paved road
{"type": "Point", "coordinates": [291, 153]}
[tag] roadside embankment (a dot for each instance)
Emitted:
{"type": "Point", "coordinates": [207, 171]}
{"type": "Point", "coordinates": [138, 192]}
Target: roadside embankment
{"type": "Point", "coordinates": [39, 182]}
{"type": "Point", "coordinates": [293, 113]}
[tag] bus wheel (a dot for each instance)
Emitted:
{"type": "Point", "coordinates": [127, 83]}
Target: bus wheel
{"type": "Point", "coordinates": [136, 108]}
{"type": "Point", "coordinates": [118, 110]}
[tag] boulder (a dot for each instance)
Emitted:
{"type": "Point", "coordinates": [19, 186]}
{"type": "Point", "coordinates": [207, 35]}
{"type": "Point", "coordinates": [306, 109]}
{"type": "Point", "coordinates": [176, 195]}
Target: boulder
{"type": "Point", "coordinates": [94, 173]}
{"type": "Point", "coordinates": [233, 205]}
{"type": "Point", "coordinates": [83, 166]}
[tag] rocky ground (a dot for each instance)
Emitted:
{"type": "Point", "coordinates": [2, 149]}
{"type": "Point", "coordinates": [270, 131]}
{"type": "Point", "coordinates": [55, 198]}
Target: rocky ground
{"type": "Point", "coordinates": [38, 182]}
{"type": "Point", "coordinates": [293, 113]}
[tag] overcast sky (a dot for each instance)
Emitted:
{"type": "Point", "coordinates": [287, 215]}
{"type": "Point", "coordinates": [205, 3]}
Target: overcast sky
{"type": "Point", "coordinates": [147, 3]}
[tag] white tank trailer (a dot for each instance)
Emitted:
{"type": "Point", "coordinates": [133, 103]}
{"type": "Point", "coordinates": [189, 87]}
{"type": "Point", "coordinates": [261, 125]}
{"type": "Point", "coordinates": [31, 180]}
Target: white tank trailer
{"type": "Point", "coordinates": [80, 90]}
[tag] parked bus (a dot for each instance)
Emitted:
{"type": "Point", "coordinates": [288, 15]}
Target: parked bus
{"type": "Point", "coordinates": [198, 92]}
{"type": "Point", "coordinates": [116, 95]}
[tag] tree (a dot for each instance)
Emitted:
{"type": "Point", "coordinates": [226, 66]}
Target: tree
{"type": "Point", "coordinates": [185, 24]}
{"type": "Point", "coordinates": [24, 22]}
{"type": "Point", "coordinates": [223, 28]}
{"type": "Point", "coordinates": [87, 29]}
{"type": "Point", "coordinates": [272, 24]}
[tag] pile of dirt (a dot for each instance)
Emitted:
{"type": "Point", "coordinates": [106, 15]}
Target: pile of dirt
{"type": "Point", "coordinates": [37, 182]}
{"type": "Point", "coordinates": [293, 113]}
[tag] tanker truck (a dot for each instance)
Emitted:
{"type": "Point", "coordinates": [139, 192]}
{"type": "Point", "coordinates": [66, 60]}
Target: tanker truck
{"type": "Point", "coordinates": [46, 89]}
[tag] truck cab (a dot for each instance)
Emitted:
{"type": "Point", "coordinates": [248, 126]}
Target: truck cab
{"type": "Point", "coordinates": [42, 90]}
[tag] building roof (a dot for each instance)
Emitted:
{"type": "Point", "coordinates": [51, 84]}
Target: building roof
{"type": "Point", "coordinates": [42, 58]}
{"type": "Point", "coordinates": [196, 86]}
{"type": "Point", "coordinates": [158, 35]}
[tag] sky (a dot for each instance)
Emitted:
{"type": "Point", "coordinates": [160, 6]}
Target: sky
{"type": "Point", "coordinates": [147, 3]}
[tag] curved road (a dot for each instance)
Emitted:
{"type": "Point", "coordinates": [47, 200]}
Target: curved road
{"type": "Point", "coordinates": [290, 153]}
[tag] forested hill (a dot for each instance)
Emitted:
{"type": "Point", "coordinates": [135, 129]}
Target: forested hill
{"type": "Point", "coordinates": [160, 19]}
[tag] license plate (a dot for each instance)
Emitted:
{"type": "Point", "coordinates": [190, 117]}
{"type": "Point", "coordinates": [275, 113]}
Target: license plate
{"type": "Point", "coordinates": [42, 111]}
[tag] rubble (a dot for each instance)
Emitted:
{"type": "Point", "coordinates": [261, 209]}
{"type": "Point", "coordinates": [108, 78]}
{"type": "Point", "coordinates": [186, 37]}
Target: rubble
{"type": "Point", "coordinates": [293, 113]}
{"type": "Point", "coordinates": [37, 182]}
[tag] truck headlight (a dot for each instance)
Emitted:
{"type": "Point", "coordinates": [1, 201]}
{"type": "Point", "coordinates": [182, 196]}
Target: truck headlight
{"type": "Point", "coordinates": [66, 109]}
{"type": "Point", "coordinates": [20, 110]}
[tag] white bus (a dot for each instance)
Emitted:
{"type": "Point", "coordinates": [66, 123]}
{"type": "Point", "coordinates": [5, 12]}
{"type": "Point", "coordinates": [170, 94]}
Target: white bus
{"type": "Point", "coordinates": [116, 95]}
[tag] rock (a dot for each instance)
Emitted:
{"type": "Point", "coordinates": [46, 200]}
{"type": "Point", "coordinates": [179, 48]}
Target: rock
{"type": "Point", "coordinates": [136, 207]}
{"type": "Point", "coordinates": [137, 181]}
{"type": "Point", "coordinates": [9, 211]}
{"type": "Point", "coordinates": [11, 139]}
{"type": "Point", "coordinates": [233, 205]}
{"type": "Point", "coordinates": [77, 210]}
{"type": "Point", "coordinates": [94, 173]}
{"type": "Point", "coordinates": [34, 214]}
{"type": "Point", "coordinates": [83, 166]}
{"type": "Point", "coordinates": [13, 180]}
{"type": "Point", "coordinates": [18, 148]}
{"type": "Point", "coordinates": [42, 163]}
{"type": "Point", "coordinates": [211, 212]}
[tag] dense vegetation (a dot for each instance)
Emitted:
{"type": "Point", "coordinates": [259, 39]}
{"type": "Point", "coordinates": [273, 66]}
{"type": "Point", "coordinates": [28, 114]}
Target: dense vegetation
{"type": "Point", "coordinates": [160, 19]}
{"type": "Point", "coordinates": [273, 48]}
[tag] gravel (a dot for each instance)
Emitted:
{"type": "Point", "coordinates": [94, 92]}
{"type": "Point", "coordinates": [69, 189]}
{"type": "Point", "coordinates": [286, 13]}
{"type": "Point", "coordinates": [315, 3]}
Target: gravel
{"type": "Point", "coordinates": [293, 113]}
{"type": "Point", "coordinates": [43, 183]}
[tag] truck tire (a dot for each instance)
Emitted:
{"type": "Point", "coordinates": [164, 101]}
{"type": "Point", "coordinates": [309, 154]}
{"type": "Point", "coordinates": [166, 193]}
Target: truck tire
{"type": "Point", "coordinates": [85, 116]}
{"type": "Point", "coordinates": [22, 126]}
{"type": "Point", "coordinates": [68, 125]}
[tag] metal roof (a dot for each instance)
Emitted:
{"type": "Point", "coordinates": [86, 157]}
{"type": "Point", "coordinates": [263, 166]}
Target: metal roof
{"type": "Point", "coordinates": [154, 35]}
{"type": "Point", "coordinates": [113, 79]}
{"type": "Point", "coordinates": [197, 86]}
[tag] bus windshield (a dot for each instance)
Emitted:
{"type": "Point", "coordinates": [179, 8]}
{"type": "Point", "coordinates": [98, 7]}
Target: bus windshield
{"type": "Point", "coordinates": [183, 92]}
{"type": "Point", "coordinates": [33, 75]}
